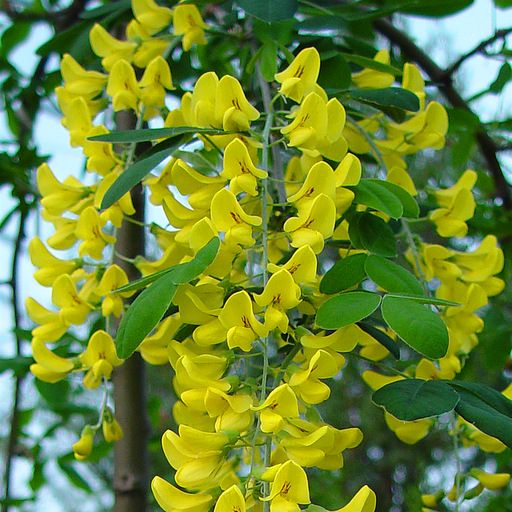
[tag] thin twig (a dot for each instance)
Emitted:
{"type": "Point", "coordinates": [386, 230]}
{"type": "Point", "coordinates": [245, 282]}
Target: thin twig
{"type": "Point", "coordinates": [479, 48]}
{"type": "Point", "coordinates": [16, 318]}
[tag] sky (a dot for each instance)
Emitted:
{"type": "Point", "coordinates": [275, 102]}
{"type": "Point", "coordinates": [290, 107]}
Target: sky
{"type": "Point", "coordinates": [445, 39]}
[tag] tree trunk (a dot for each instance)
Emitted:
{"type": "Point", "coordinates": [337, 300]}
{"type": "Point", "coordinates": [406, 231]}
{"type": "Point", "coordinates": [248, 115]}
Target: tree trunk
{"type": "Point", "coordinates": [130, 453]}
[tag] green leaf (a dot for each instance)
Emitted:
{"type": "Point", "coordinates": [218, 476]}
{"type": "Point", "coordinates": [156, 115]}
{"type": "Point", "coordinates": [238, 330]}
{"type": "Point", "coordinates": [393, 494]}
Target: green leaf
{"type": "Point", "coordinates": [183, 272]}
{"type": "Point", "coordinates": [144, 314]}
{"type": "Point", "coordinates": [380, 336]}
{"type": "Point", "coordinates": [345, 309]}
{"type": "Point", "coordinates": [503, 4]}
{"type": "Point", "coordinates": [108, 8]}
{"type": "Point", "coordinates": [186, 272]}
{"type": "Point", "coordinates": [504, 76]}
{"type": "Point", "coordinates": [484, 412]}
{"type": "Point", "coordinates": [345, 273]}
{"type": "Point", "coordinates": [417, 325]}
{"type": "Point", "coordinates": [73, 476]}
{"type": "Point", "coordinates": [414, 399]}
{"type": "Point", "coordinates": [334, 73]}
{"type": "Point", "coordinates": [269, 10]}
{"type": "Point", "coordinates": [136, 172]}
{"type": "Point", "coordinates": [150, 306]}
{"type": "Point", "coordinates": [387, 97]}
{"type": "Point", "coordinates": [365, 62]}
{"type": "Point", "coordinates": [392, 277]}
{"type": "Point", "coordinates": [372, 193]}
{"type": "Point", "coordinates": [13, 36]}
{"type": "Point", "coordinates": [437, 8]}
{"type": "Point", "coordinates": [268, 60]}
{"type": "Point", "coordinates": [409, 204]}
{"type": "Point", "coordinates": [424, 300]}
{"type": "Point", "coordinates": [494, 398]}
{"type": "Point", "coordinates": [19, 365]}
{"type": "Point", "coordinates": [53, 394]}
{"type": "Point", "coordinates": [367, 231]}
{"type": "Point", "coordinates": [322, 24]}
{"type": "Point", "coordinates": [148, 134]}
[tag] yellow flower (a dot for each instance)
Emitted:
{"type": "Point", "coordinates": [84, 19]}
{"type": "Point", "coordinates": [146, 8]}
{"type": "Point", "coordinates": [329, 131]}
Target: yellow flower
{"type": "Point", "coordinates": [314, 224]}
{"type": "Point", "coordinates": [344, 339]}
{"type": "Point", "coordinates": [200, 371]}
{"type": "Point", "coordinates": [281, 403]}
{"type": "Point", "coordinates": [237, 318]}
{"type": "Point", "coordinates": [112, 431]}
{"type": "Point", "coordinates": [51, 324]}
{"type": "Point", "coordinates": [457, 206]}
{"type": "Point", "coordinates": [372, 78]}
{"type": "Point", "coordinates": [317, 127]}
{"type": "Point", "coordinates": [188, 22]}
{"type": "Point", "coordinates": [231, 500]}
{"type": "Point", "coordinates": [79, 81]}
{"type": "Point", "coordinates": [109, 48]}
{"type": "Point", "coordinates": [228, 216]}
{"type": "Point", "coordinates": [113, 278]}
{"type": "Point", "coordinates": [199, 188]}
{"type": "Point", "coordinates": [240, 170]}
{"type": "Point", "coordinates": [77, 116]}
{"type": "Point", "coordinates": [88, 229]}
{"type": "Point", "coordinates": [280, 294]}
{"type": "Point", "coordinates": [300, 77]}
{"type": "Point", "coordinates": [58, 197]}
{"type": "Point", "coordinates": [289, 488]}
{"type": "Point", "coordinates": [302, 265]}
{"type": "Point", "coordinates": [121, 208]}
{"type": "Point", "coordinates": [100, 357]}
{"type": "Point", "coordinates": [151, 16]}
{"type": "Point", "coordinates": [197, 456]}
{"type": "Point", "coordinates": [306, 382]}
{"type": "Point", "coordinates": [49, 367]}
{"type": "Point", "coordinates": [172, 499]}
{"type": "Point", "coordinates": [232, 110]}
{"type": "Point", "coordinates": [364, 501]}
{"type": "Point", "coordinates": [49, 266]}
{"type": "Point", "coordinates": [491, 481]}
{"type": "Point", "coordinates": [73, 309]}
{"type": "Point", "coordinates": [101, 158]}
{"type": "Point", "coordinates": [232, 412]}
{"type": "Point", "coordinates": [122, 86]}
{"type": "Point", "coordinates": [155, 80]}
{"type": "Point", "coordinates": [320, 180]}
{"type": "Point", "coordinates": [154, 347]}
{"type": "Point", "coordinates": [311, 444]}
{"type": "Point", "coordinates": [83, 447]}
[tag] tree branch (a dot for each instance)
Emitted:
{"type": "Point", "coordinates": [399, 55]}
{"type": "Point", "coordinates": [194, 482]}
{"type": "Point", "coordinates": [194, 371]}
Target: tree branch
{"type": "Point", "coordinates": [499, 34]}
{"type": "Point", "coordinates": [443, 81]}
{"type": "Point", "coordinates": [16, 317]}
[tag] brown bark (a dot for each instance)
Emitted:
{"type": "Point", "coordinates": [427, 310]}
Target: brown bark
{"type": "Point", "coordinates": [130, 453]}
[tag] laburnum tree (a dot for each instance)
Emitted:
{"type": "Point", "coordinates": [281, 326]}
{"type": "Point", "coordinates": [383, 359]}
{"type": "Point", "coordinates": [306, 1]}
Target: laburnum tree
{"type": "Point", "coordinates": [251, 260]}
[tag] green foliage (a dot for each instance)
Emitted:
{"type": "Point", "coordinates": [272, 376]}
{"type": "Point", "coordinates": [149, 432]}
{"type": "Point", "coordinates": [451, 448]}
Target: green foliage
{"type": "Point", "coordinates": [391, 277]}
{"type": "Point", "coordinates": [346, 309]}
{"type": "Point", "coordinates": [388, 97]}
{"type": "Point", "coordinates": [417, 325]}
{"type": "Point", "coordinates": [367, 231]}
{"type": "Point", "coordinates": [414, 399]}
{"type": "Point", "coordinates": [150, 306]}
{"type": "Point", "coordinates": [269, 10]}
{"type": "Point", "coordinates": [345, 273]}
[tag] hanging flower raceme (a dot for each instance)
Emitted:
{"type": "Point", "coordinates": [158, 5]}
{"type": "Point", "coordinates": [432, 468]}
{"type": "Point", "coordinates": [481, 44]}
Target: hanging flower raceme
{"type": "Point", "coordinates": [243, 331]}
